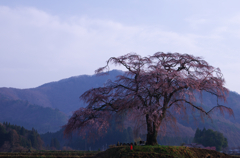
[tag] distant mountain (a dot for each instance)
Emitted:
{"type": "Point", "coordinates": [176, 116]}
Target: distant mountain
{"type": "Point", "coordinates": [63, 95]}
{"type": "Point", "coordinates": [22, 113]}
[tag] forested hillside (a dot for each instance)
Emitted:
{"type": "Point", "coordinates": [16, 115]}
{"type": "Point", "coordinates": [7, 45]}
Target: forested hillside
{"type": "Point", "coordinates": [21, 113]}
{"type": "Point", "coordinates": [17, 138]}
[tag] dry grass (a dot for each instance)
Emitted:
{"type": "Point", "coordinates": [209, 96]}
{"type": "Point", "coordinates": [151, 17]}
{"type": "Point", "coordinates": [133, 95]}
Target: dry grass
{"type": "Point", "coordinates": [125, 152]}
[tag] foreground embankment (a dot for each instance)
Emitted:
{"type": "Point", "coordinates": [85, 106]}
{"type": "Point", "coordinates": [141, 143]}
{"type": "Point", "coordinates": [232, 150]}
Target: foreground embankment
{"type": "Point", "coordinates": [125, 152]}
{"type": "Point", "coordinates": [160, 152]}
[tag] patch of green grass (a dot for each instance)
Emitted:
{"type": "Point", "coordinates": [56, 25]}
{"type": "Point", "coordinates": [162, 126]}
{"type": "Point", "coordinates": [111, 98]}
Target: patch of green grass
{"type": "Point", "coordinates": [151, 151]}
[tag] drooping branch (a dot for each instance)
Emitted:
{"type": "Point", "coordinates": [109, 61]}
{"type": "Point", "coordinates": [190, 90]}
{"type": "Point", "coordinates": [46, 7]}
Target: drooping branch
{"type": "Point", "coordinates": [150, 86]}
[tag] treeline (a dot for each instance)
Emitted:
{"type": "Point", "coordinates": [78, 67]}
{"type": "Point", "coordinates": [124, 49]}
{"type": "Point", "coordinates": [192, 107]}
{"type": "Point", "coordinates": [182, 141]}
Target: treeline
{"type": "Point", "coordinates": [77, 142]}
{"type": "Point", "coordinates": [113, 135]}
{"type": "Point", "coordinates": [170, 140]}
{"type": "Point", "coordinates": [17, 138]}
{"type": "Point", "coordinates": [210, 138]}
{"type": "Point", "coordinates": [174, 141]}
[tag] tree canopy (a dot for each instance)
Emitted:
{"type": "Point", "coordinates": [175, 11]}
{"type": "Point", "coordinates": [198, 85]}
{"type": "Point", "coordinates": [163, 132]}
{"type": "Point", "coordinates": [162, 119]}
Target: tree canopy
{"type": "Point", "coordinates": [153, 89]}
{"type": "Point", "coordinates": [210, 138]}
{"type": "Point", "coordinates": [13, 137]}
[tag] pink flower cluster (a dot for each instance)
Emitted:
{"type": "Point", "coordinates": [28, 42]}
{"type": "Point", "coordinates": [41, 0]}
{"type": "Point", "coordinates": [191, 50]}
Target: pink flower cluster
{"type": "Point", "coordinates": [210, 148]}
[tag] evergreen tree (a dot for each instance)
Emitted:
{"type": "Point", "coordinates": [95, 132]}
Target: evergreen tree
{"type": "Point", "coordinates": [33, 138]}
{"type": "Point", "coordinates": [197, 135]}
{"type": "Point", "coordinates": [22, 131]}
{"type": "Point", "coordinates": [55, 143]}
{"type": "Point", "coordinates": [2, 135]}
{"type": "Point", "coordinates": [2, 130]}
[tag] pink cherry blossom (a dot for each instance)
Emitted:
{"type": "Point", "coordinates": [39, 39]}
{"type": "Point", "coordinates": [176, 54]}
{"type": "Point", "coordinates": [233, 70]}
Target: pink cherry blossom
{"type": "Point", "coordinates": [153, 89]}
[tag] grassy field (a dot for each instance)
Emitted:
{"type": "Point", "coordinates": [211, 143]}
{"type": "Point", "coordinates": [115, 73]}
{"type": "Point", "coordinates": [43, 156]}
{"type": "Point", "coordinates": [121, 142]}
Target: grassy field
{"type": "Point", "coordinates": [50, 154]}
{"type": "Point", "coordinates": [125, 152]}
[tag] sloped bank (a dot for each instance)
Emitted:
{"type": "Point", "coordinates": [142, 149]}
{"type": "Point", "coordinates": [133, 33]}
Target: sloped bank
{"type": "Point", "coordinates": [160, 152]}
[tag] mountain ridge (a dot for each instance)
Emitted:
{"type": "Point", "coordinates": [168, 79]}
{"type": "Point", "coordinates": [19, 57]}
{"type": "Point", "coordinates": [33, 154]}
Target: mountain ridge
{"type": "Point", "coordinates": [53, 94]}
{"type": "Point", "coordinates": [64, 95]}
{"type": "Point", "coordinates": [22, 113]}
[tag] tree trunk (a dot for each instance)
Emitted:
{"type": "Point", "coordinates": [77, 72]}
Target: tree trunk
{"type": "Point", "coordinates": [152, 131]}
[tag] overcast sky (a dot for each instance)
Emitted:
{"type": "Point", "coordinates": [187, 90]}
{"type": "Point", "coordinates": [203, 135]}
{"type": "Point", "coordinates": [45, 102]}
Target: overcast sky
{"type": "Point", "coordinates": [48, 40]}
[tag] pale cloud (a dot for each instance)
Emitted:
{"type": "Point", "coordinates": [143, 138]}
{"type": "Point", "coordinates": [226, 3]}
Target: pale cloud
{"type": "Point", "coordinates": [39, 47]}
{"type": "Point", "coordinates": [196, 23]}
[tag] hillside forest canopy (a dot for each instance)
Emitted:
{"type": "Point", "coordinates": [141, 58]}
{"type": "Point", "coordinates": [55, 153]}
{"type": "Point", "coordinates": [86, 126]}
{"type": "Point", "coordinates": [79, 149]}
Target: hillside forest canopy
{"type": "Point", "coordinates": [153, 91]}
{"type": "Point", "coordinates": [17, 138]}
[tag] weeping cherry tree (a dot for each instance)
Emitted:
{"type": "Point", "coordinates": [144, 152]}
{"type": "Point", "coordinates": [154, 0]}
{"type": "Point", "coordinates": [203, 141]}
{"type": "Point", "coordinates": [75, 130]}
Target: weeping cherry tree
{"type": "Point", "coordinates": [156, 88]}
